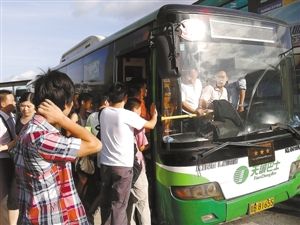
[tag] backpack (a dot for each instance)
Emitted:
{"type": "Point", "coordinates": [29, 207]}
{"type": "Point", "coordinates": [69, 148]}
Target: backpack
{"type": "Point", "coordinates": [98, 127]}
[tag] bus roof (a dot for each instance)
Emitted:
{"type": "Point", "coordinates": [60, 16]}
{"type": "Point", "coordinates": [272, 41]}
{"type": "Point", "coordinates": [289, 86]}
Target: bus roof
{"type": "Point", "coordinates": [145, 20]}
{"type": "Point", "coordinates": [86, 43]}
{"type": "Point", "coordinates": [83, 48]}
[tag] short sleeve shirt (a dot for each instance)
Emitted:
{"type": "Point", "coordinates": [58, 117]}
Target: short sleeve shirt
{"type": "Point", "coordinates": [210, 93]}
{"type": "Point", "coordinates": [191, 93]}
{"type": "Point", "coordinates": [94, 123]}
{"type": "Point", "coordinates": [140, 137]}
{"type": "Point", "coordinates": [117, 135]}
{"type": "Point", "coordinates": [47, 193]}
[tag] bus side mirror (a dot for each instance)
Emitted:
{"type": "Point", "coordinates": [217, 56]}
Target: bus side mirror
{"type": "Point", "coordinates": [166, 59]}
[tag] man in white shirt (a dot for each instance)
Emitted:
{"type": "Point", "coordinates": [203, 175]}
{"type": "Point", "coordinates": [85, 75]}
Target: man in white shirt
{"type": "Point", "coordinates": [217, 92]}
{"type": "Point", "coordinates": [7, 175]}
{"type": "Point", "coordinates": [191, 88]}
{"type": "Point", "coordinates": [117, 126]}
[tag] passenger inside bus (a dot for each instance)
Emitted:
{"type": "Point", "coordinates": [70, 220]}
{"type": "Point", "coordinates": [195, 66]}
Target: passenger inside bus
{"type": "Point", "coordinates": [191, 88]}
{"type": "Point", "coordinates": [137, 88]}
{"type": "Point", "coordinates": [226, 121]}
{"type": "Point", "coordinates": [214, 92]}
{"type": "Point", "coordinates": [236, 93]}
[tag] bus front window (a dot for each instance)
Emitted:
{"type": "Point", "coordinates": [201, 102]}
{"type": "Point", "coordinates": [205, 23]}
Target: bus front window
{"type": "Point", "coordinates": [249, 74]}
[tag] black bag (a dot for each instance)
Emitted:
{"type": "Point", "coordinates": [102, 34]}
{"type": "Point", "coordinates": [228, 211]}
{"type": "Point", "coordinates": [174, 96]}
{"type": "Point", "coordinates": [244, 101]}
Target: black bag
{"type": "Point", "coordinates": [223, 110]}
{"type": "Point", "coordinates": [224, 129]}
{"type": "Point", "coordinates": [226, 123]}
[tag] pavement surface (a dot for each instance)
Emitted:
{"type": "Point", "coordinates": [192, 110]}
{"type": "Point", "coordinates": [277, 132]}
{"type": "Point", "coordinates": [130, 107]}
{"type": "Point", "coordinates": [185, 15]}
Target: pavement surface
{"type": "Point", "coordinates": [267, 218]}
{"type": "Point", "coordinates": [286, 213]}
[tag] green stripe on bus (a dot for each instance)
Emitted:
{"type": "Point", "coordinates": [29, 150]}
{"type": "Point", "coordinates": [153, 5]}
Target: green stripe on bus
{"type": "Point", "coordinates": [169, 178]}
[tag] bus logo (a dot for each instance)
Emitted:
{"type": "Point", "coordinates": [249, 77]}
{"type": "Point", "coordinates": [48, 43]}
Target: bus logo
{"type": "Point", "coordinates": [241, 175]}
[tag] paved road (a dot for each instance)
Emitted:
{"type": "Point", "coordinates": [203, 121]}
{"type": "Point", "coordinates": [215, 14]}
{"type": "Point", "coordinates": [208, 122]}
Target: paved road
{"type": "Point", "coordinates": [290, 207]}
{"type": "Point", "coordinates": [263, 218]}
{"type": "Point", "coordinates": [267, 218]}
{"type": "Point", "coordinates": [287, 213]}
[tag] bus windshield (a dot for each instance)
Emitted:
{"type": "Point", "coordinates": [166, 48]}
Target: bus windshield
{"type": "Point", "coordinates": [234, 63]}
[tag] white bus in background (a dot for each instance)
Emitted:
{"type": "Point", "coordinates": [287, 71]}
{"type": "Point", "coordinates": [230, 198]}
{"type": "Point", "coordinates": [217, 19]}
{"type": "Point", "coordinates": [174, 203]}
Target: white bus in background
{"type": "Point", "coordinates": [17, 87]}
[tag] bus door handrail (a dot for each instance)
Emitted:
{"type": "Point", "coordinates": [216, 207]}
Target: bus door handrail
{"type": "Point", "coordinates": [184, 116]}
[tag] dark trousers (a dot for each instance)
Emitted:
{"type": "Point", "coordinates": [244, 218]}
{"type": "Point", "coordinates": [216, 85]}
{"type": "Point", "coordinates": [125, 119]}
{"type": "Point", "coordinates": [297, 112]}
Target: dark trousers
{"type": "Point", "coordinates": [8, 185]}
{"type": "Point", "coordinates": [115, 192]}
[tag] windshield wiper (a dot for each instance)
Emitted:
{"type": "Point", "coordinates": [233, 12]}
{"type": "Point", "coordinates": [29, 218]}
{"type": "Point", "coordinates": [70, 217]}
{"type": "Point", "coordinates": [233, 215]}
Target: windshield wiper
{"type": "Point", "coordinates": [287, 127]}
{"type": "Point", "coordinates": [229, 143]}
{"type": "Point", "coordinates": [278, 126]}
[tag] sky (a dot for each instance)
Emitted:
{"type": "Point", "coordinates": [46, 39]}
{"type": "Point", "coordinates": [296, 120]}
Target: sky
{"type": "Point", "coordinates": [35, 33]}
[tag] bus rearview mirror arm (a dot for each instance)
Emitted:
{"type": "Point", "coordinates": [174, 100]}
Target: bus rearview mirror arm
{"type": "Point", "coordinates": [164, 42]}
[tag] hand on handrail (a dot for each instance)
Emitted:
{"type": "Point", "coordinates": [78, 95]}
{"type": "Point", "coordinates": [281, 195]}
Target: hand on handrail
{"type": "Point", "coordinates": [203, 113]}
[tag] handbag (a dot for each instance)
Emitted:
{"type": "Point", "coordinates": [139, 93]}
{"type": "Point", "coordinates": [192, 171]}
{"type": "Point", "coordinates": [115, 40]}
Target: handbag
{"type": "Point", "coordinates": [85, 164]}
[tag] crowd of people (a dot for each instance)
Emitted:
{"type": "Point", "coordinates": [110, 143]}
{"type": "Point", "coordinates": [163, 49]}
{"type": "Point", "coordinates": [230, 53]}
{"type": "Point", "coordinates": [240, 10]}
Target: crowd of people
{"type": "Point", "coordinates": [63, 154]}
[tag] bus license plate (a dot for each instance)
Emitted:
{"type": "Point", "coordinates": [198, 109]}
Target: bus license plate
{"type": "Point", "coordinates": [260, 206]}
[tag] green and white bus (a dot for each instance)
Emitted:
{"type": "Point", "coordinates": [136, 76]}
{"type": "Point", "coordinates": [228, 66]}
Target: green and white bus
{"type": "Point", "coordinates": [240, 168]}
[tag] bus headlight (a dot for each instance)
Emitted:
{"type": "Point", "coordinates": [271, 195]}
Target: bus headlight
{"type": "Point", "coordinates": [202, 191]}
{"type": "Point", "coordinates": [295, 168]}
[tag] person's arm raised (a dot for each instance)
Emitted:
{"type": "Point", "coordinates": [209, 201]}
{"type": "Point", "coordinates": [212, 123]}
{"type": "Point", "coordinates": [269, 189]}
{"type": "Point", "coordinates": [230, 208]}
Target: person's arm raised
{"type": "Point", "coordinates": [152, 122]}
{"type": "Point", "coordinates": [89, 143]}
